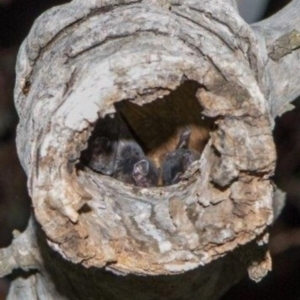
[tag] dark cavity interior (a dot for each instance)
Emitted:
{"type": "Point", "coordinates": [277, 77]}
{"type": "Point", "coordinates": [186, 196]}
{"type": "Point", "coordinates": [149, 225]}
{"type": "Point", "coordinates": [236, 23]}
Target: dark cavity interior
{"type": "Point", "coordinates": [159, 129]}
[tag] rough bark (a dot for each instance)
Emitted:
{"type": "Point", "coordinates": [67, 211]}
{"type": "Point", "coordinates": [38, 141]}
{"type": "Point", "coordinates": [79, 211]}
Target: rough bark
{"type": "Point", "coordinates": [280, 37]}
{"type": "Point", "coordinates": [197, 237]}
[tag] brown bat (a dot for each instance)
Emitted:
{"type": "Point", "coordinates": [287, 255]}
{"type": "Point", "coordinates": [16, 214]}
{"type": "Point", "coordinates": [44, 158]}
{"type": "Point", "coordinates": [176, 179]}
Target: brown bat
{"type": "Point", "coordinates": [176, 162]}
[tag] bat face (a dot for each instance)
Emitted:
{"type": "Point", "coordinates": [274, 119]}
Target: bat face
{"type": "Point", "coordinates": [102, 147]}
{"type": "Point", "coordinates": [133, 167]}
{"type": "Point", "coordinates": [103, 155]}
{"type": "Point", "coordinates": [173, 167]}
{"type": "Point", "coordinates": [145, 173]}
{"type": "Point", "coordinates": [176, 163]}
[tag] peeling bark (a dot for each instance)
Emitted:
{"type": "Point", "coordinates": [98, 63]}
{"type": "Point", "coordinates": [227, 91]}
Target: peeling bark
{"type": "Point", "coordinates": [173, 63]}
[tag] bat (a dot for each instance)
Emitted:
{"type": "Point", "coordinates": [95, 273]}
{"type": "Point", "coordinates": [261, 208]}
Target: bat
{"type": "Point", "coordinates": [176, 162]}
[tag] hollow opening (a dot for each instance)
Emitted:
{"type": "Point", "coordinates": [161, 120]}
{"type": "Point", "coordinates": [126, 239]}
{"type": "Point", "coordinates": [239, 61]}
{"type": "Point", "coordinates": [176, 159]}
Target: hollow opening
{"type": "Point", "coordinates": [151, 144]}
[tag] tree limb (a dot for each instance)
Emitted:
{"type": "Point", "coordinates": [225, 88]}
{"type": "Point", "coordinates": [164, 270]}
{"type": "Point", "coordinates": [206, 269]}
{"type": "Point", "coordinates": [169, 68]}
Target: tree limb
{"type": "Point", "coordinates": [174, 63]}
{"type": "Point", "coordinates": [23, 253]}
{"type": "Point", "coordinates": [281, 35]}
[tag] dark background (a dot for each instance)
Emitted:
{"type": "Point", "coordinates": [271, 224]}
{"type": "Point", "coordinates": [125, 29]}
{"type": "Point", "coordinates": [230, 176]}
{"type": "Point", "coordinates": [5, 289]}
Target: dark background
{"type": "Point", "coordinates": [16, 18]}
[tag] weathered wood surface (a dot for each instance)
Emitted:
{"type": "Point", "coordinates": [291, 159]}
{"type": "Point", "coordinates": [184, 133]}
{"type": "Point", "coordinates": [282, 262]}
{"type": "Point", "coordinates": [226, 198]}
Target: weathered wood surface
{"type": "Point", "coordinates": [280, 35]}
{"type": "Point", "coordinates": [199, 236]}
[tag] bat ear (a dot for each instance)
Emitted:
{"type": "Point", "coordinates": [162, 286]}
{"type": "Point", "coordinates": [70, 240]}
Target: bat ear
{"type": "Point", "coordinates": [184, 138]}
{"type": "Point", "coordinates": [186, 132]}
{"type": "Point", "coordinates": [141, 167]}
{"type": "Point", "coordinates": [177, 178]}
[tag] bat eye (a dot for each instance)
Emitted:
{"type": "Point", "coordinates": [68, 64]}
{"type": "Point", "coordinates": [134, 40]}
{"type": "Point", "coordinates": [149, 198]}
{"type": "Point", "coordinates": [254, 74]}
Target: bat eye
{"type": "Point", "coordinates": [101, 144]}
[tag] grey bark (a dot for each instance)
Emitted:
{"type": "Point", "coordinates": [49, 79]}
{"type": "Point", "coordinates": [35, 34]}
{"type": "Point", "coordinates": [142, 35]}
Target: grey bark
{"type": "Point", "coordinates": [95, 236]}
{"type": "Point", "coordinates": [280, 36]}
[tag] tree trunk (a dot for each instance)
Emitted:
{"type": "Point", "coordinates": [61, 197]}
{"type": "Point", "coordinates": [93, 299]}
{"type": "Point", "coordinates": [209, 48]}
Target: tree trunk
{"type": "Point", "coordinates": [170, 64]}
